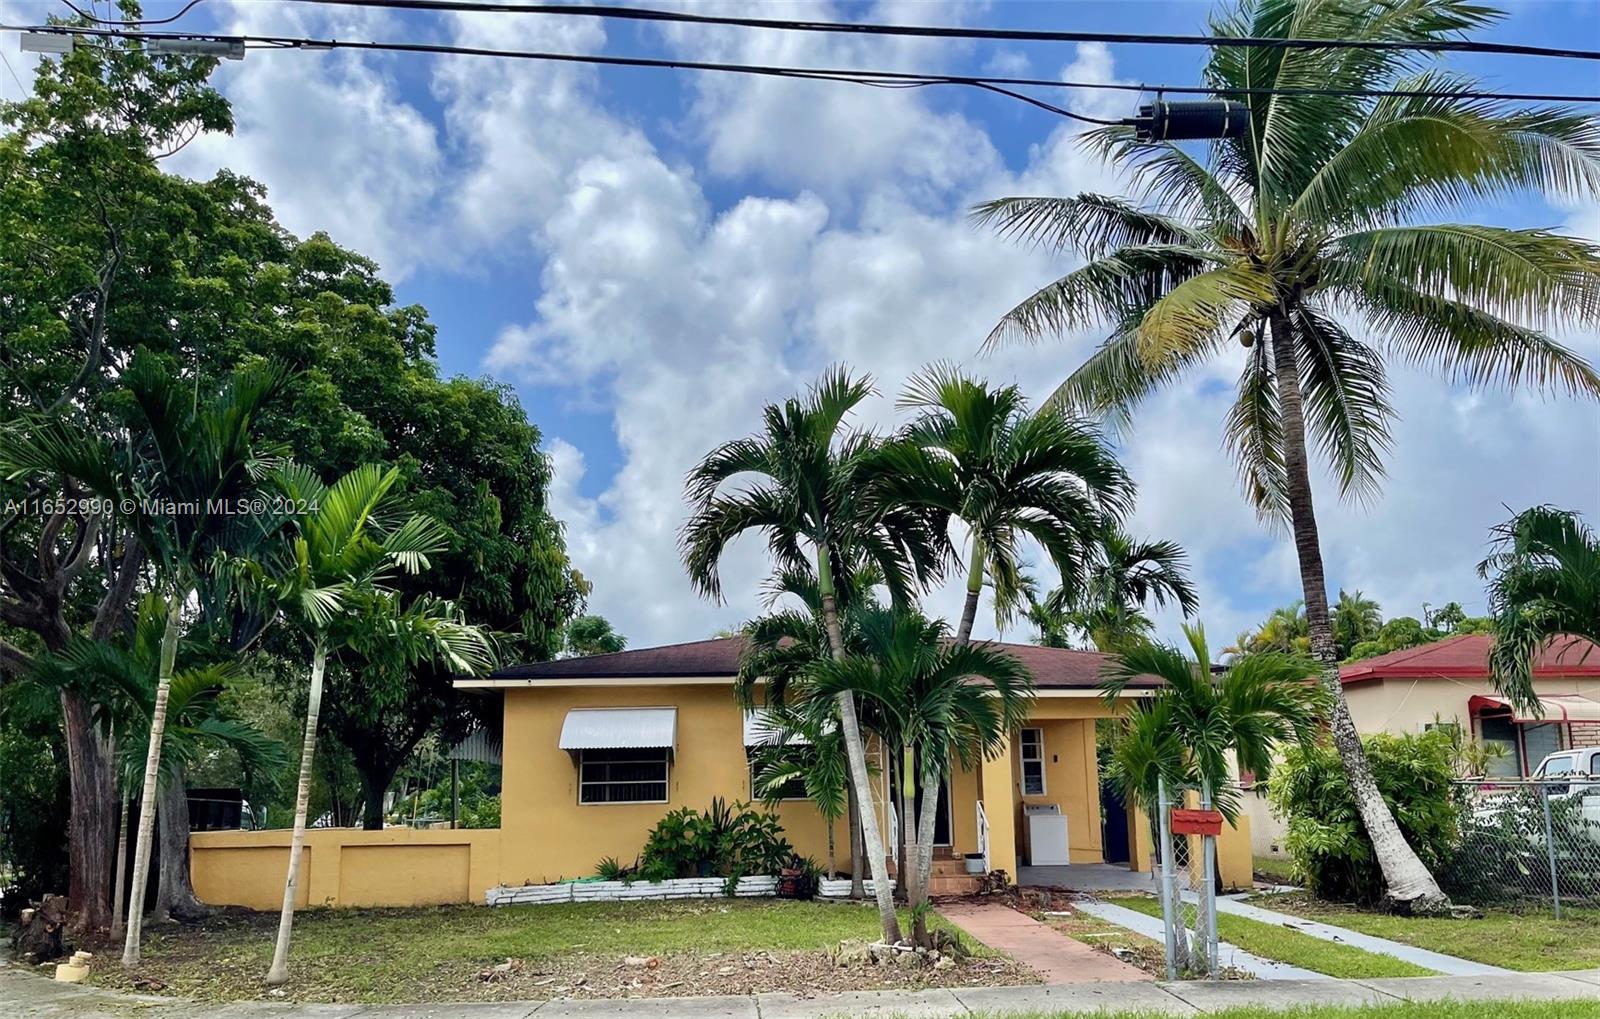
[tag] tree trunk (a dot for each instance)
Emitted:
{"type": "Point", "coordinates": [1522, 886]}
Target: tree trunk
{"type": "Point", "coordinates": [856, 752]}
{"type": "Point", "coordinates": [119, 889]}
{"type": "Point", "coordinates": [927, 818]}
{"type": "Point", "coordinates": [858, 887]}
{"type": "Point", "coordinates": [833, 856]}
{"type": "Point", "coordinates": [175, 897]}
{"type": "Point", "coordinates": [92, 826]}
{"type": "Point", "coordinates": [905, 787]}
{"type": "Point", "coordinates": [279, 973]}
{"type": "Point", "coordinates": [1410, 886]}
{"type": "Point", "coordinates": [372, 794]}
{"type": "Point", "coordinates": [152, 775]}
{"type": "Point", "coordinates": [969, 608]}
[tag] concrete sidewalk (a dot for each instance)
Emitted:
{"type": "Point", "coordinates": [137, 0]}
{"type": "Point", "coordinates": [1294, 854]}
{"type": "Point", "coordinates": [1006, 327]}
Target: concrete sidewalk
{"type": "Point", "coordinates": [35, 997]}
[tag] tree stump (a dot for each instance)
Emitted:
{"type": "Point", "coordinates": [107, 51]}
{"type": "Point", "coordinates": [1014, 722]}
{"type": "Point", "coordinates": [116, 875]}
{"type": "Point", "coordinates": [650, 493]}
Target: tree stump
{"type": "Point", "coordinates": [40, 932]}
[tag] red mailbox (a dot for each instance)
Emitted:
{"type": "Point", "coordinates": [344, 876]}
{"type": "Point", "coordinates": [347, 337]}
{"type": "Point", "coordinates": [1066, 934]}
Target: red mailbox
{"type": "Point", "coordinates": [1196, 822]}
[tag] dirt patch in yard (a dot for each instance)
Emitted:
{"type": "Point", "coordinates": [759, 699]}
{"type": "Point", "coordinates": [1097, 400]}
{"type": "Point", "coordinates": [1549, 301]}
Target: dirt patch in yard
{"type": "Point", "coordinates": [456, 955]}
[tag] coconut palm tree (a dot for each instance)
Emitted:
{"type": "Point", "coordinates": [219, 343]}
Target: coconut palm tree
{"type": "Point", "coordinates": [327, 580]}
{"type": "Point", "coordinates": [978, 454]}
{"type": "Point", "coordinates": [1314, 219]}
{"type": "Point", "coordinates": [1355, 618]}
{"type": "Point", "coordinates": [940, 703]}
{"type": "Point", "coordinates": [809, 500]}
{"type": "Point", "coordinates": [1544, 585]}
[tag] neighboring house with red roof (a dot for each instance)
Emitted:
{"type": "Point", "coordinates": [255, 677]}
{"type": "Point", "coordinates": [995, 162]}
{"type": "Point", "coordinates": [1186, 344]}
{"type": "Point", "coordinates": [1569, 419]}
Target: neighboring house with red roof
{"type": "Point", "coordinates": [1449, 681]}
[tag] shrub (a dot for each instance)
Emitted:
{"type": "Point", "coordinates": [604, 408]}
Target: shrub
{"type": "Point", "coordinates": [724, 841]}
{"type": "Point", "coordinates": [1326, 839]}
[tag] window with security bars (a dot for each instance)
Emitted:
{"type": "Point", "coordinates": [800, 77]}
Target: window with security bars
{"type": "Point", "coordinates": [1032, 742]}
{"type": "Point", "coordinates": [622, 776]}
{"type": "Point", "coordinates": [791, 789]}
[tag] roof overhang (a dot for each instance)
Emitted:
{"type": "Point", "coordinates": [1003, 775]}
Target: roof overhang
{"type": "Point", "coordinates": [522, 683]}
{"type": "Point", "coordinates": [620, 729]}
{"type": "Point", "coordinates": [1556, 708]}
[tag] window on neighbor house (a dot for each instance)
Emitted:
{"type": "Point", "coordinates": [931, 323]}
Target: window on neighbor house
{"type": "Point", "coordinates": [1032, 742]}
{"type": "Point", "coordinates": [1499, 729]}
{"type": "Point", "coordinates": [622, 776]}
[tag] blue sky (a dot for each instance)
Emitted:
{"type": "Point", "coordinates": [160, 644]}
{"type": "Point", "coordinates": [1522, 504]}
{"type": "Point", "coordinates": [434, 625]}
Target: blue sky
{"type": "Point", "coordinates": [648, 256]}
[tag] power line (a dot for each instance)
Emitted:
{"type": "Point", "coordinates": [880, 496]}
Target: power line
{"type": "Point", "coordinates": [883, 79]}
{"type": "Point", "coordinates": [96, 19]}
{"type": "Point", "coordinates": [944, 32]}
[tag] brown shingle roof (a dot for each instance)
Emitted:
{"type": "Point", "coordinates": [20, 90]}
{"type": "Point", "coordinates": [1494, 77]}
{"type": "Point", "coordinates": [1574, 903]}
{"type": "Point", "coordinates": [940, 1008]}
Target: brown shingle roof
{"type": "Point", "coordinates": [1052, 668]}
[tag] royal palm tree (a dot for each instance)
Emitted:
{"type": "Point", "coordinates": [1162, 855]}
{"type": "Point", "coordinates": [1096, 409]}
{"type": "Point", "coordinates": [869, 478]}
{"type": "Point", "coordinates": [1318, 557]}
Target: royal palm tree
{"type": "Point", "coordinates": [809, 500]}
{"type": "Point", "coordinates": [180, 476]}
{"type": "Point", "coordinates": [328, 582]}
{"type": "Point", "coordinates": [1355, 618]}
{"type": "Point", "coordinates": [1307, 222]}
{"type": "Point", "coordinates": [940, 703]}
{"type": "Point", "coordinates": [978, 454]}
{"type": "Point", "coordinates": [1544, 585]}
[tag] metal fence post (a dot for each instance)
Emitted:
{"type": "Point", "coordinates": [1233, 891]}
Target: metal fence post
{"type": "Point", "coordinates": [1209, 855]}
{"type": "Point", "coordinates": [1168, 879]}
{"type": "Point", "coordinates": [1550, 849]}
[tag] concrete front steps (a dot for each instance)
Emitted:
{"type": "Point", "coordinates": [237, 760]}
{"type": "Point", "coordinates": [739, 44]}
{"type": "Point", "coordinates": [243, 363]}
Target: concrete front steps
{"type": "Point", "coordinates": [949, 877]}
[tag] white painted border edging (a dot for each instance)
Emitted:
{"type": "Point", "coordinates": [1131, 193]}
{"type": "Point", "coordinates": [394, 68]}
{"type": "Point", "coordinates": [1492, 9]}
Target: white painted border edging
{"type": "Point", "coordinates": [755, 886]}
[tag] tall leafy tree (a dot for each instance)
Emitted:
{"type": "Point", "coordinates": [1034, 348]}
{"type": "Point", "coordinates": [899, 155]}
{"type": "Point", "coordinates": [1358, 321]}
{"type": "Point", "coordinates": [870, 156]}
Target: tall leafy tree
{"type": "Point", "coordinates": [181, 479]}
{"type": "Point", "coordinates": [81, 154]}
{"type": "Point", "coordinates": [1544, 592]}
{"type": "Point", "coordinates": [809, 500]}
{"type": "Point", "coordinates": [593, 635]}
{"type": "Point", "coordinates": [1007, 473]}
{"type": "Point", "coordinates": [1322, 214]}
{"type": "Point", "coordinates": [328, 581]}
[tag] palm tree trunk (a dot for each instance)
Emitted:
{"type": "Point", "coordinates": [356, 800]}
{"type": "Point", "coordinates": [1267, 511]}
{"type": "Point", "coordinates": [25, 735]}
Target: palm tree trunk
{"type": "Point", "coordinates": [833, 856]}
{"type": "Point", "coordinates": [1410, 886]}
{"type": "Point", "coordinates": [904, 879]}
{"type": "Point", "coordinates": [969, 609]}
{"type": "Point", "coordinates": [119, 890]}
{"type": "Point", "coordinates": [856, 752]}
{"type": "Point", "coordinates": [927, 817]}
{"type": "Point", "coordinates": [279, 973]}
{"type": "Point", "coordinates": [858, 888]}
{"type": "Point", "coordinates": [152, 775]}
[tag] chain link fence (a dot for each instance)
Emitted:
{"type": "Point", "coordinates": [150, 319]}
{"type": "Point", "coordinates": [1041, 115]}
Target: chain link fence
{"type": "Point", "coordinates": [1188, 891]}
{"type": "Point", "coordinates": [1527, 841]}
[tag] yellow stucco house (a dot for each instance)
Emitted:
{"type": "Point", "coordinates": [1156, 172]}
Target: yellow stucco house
{"type": "Point", "coordinates": [597, 749]}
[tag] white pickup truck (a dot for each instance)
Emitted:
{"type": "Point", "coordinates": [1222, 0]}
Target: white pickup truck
{"type": "Point", "coordinates": [1582, 766]}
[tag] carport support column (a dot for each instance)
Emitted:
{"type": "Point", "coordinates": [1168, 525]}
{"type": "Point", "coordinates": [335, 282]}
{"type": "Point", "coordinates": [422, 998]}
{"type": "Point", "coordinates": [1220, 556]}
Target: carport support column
{"type": "Point", "coordinates": [1000, 804]}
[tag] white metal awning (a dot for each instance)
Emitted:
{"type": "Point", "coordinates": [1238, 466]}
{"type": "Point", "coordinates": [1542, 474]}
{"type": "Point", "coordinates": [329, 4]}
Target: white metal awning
{"type": "Point", "coordinates": [1561, 707]}
{"type": "Point", "coordinates": [619, 729]}
{"type": "Point", "coordinates": [761, 731]}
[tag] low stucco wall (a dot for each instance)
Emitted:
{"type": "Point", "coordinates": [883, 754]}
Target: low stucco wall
{"type": "Point", "coordinates": [347, 867]}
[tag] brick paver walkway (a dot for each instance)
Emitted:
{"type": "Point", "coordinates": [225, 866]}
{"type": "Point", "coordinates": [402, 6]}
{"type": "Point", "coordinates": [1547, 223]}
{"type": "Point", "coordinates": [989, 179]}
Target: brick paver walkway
{"type": "Point", "coordinates": [1056, 957]}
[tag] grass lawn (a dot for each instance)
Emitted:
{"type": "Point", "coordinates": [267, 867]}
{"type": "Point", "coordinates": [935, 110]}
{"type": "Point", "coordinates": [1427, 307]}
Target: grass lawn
{"type": "Point", "coordinates": [1277, 869]}
{"type": "Point", "coordinates": [1296, 949]}
{"type": "Point", "coordinates": [712, 946]}
{"type": "Point", "coordinates": [1413, 1010]}
{"type": "Point", "coordinates": [1530, 941]}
